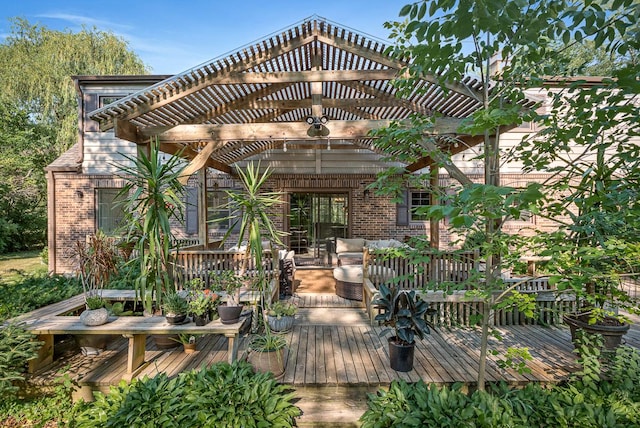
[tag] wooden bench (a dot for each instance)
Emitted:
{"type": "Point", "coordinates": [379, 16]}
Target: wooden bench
{"type": "Point", "coordinates": [135, 329]}
{"type": "Point", "coordinates": [50, 320]}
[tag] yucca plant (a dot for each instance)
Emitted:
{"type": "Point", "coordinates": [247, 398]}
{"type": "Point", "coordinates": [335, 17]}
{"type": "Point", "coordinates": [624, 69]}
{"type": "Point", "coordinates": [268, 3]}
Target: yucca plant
{"type": "Point", "coordinates": [152, 196]}
{"type": "Point", "coordinates": [255, 220]}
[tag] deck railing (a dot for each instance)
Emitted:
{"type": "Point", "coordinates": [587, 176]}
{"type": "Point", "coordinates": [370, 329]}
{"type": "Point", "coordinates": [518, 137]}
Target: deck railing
{"type": "Point", "coordinates": [206, 264]}
{"type": "Point", "coordinates": [457, 271]}
{"type": "Point", "coordinates": [437, 268]}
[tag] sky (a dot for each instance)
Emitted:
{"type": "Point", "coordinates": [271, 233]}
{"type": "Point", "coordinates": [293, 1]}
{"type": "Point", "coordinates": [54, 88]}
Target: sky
{"type": "Point", "coordinates": [174, 36]}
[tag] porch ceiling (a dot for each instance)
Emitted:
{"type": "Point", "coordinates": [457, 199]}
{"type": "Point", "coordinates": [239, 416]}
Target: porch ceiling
{"type": "Point", "coordinates": [257, 98]}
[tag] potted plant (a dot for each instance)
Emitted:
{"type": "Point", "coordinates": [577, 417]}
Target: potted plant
{"type": "Point", "coordinates": [95, 313]}
{"type": "Point", "coordinates": [229, 283]}
{"type": "Point", "coordinates": [255, 223]}
{"type": "Point", "coordinates": [199, 305]}
{"type": "Point", "coordinates": [188, 341]}
{"type": "Point", "coordinates": [280, 316]}
{"type": "Point", "coordinates": [175, 308]}
{"type": "Point", "coordinates": [152, 197]}
{"type": "Point", "coordinates": [266, 353]}
{"type": "Point", "coordinates": [594, 275]}
{"type": "Point", "coordinates": [405, 311]}
{"type": "Point", "coordinates": [96, 261]}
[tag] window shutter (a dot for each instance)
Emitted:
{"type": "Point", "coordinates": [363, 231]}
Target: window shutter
{"type": "Point", "coordinates": [91, 102]}
{"type": "Point", "coordinates": [402, 210]}
{"type": "Point", "coordinates": [192, 210]}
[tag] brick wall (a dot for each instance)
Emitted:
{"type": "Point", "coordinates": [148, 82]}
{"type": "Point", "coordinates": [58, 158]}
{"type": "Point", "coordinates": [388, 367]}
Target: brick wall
{"type": "Point", "coordinates": [372, 217]}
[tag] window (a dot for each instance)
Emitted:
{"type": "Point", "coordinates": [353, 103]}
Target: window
{"type": "Point", "coordinates": [419, 199]}
{"type": "Point", "coordinates": [110, 212]}
{"type": "Point", "coordinates": [108, 99]}
{"type": "Point", "coordinates": [218, 209]}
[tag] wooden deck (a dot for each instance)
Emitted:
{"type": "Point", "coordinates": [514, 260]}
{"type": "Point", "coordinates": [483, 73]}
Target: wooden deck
{"type": "Point", "coordinates": [335, 357]}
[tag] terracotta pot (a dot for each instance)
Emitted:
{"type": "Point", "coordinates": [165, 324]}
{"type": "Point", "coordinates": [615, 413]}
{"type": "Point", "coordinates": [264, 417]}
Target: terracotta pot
{"type": "Point", "coordinates": [610, 329]}
{"type": "Point", "coordinates": [268, 361]}
{"type": "Point", "coordinates": [190, 348]}
{"type": "Point", "coordinates": [401, 356]}
{"type": "Point", "coordinates": [166, 341]}
{"type": "Point", "coordinates": [229, 314]}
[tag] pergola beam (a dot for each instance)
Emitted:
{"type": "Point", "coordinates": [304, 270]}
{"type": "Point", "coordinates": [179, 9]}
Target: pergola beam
{"type": "Point", "coordinates": [277, 130]}
{"type": "Point", "coordinates": [306, 76]}
{"type": "Point", "coordinates": [164, 97]}
{"type": "Point", "coordinates": [189, 153]}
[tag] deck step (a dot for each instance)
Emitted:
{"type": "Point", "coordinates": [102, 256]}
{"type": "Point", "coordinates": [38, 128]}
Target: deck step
{"type": "Point", "coordinates": [332, 316]}
{"type": "Point", "coordinates": [332, 406]}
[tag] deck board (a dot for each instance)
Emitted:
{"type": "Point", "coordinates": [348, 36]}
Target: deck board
{"type": "Point", "coordinates": [334, 346]}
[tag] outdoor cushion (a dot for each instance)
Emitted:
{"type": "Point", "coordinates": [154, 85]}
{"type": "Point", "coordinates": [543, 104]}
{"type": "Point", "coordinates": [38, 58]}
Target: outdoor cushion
{"type": "Point", "coordinates": [351, 273]}
{"type": "Point", "coordinates": [381, 244]}
{"type": "Point", "coordinates": [344, 245]}
{"type": "Point", "coordinates": [350, 255]}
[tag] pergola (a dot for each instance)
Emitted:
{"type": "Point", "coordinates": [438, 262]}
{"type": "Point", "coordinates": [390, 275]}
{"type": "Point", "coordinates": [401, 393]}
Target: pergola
{"type": "Point", "coordinates": [314, 84]}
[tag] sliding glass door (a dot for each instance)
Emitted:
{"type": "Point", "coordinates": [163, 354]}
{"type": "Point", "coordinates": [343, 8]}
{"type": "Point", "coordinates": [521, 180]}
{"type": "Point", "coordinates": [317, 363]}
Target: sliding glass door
{"type": "Point", "coordinates": [315, 218]}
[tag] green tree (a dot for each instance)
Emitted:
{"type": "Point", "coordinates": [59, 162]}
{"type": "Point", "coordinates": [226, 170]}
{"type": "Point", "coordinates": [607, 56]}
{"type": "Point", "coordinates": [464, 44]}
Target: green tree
{"type": "Point", "coordinates": [38, 114]}
{"type": "Point", "coordinates": [36, 65]}
{"type": "Point", "coordinates": [448, 39]}
{"type": "Point", "coordinates": [24, 152]}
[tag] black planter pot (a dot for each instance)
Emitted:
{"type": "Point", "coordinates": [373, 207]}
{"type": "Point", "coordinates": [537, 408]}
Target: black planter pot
{"type": "Point", "coordinates": [201, 320]}
{"type": "Point", "coordinates": [177, 319]}
{"type": "Point", "coordinates": [401, 356]}
{"type": "Point", "coordinates": [610, 329]}
{"type": "Point", "coordinates": [229, 314]}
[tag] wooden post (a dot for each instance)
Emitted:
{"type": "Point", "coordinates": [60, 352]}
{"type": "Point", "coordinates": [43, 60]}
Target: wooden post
{"type": "Point", "coordinates": [203, 226]}
{"type": "Point", "coordinates": [45, 353]}
{"type": "Point", "coordinates": [135, 356]}
{"type": "Point", "coordinates": [434, 225]}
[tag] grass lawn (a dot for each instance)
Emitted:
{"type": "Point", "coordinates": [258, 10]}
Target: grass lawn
{"type": "Point", "coordinates": [14, 264]}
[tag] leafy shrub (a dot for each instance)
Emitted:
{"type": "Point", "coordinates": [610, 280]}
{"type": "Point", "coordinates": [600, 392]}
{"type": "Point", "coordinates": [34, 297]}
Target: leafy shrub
{"type": "Point", "coordinates": [16, 346]}
{"type": "Point", "coordinates": [600, 397]}
{"type": "Point", "coordinates": [33, 292]}
{"type": "Point", "coordinates": [220, 395]}
{"type": "Point", "coordinates": [51, 408]}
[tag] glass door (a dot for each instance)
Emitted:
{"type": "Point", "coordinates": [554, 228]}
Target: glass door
{"type": "Point", "coordinates": [316, 218]}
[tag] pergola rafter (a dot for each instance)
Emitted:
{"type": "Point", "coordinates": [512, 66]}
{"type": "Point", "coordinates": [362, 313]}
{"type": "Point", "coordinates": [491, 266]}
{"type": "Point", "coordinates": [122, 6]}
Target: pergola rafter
{"type": "Point", "coordinates": [251, 101]}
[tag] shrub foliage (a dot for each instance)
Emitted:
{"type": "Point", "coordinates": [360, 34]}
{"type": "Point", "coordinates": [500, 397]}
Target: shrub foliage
{"type": "Point", "coordinates": [606, 395]}
{"type": "Point", "coordinates": [220, 395]}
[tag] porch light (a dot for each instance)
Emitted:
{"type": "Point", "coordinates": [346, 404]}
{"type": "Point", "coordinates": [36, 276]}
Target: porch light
{"type": "Point", "coordinates": [328, 144]}
{"type": "Point", "coordinates": [284, 146]}
{"type": "Point", "coordinates": [316, 121]}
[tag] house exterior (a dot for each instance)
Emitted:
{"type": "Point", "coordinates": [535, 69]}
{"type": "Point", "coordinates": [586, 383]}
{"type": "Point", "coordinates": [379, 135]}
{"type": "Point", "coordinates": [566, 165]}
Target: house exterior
{"type": "Point", "coordinates": [302, 102]}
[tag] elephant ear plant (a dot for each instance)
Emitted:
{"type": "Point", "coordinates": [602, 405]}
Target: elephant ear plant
{"type": "Point", "coordinates": [152, 197]}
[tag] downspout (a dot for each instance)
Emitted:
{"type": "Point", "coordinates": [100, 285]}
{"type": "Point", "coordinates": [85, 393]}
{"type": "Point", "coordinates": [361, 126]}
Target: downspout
{"type": "Point", "coordinates": [51, 221]}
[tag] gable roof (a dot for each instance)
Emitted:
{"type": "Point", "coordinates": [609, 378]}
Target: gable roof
{"type": "Point", "coordinates": [260, 96]}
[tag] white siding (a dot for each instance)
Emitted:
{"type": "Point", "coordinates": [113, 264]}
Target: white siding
{"type": "Point", "coordinates": [103, 152]}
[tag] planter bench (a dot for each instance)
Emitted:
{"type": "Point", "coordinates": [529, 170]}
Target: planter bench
{"type": "Point", "coordinates": [51, 320]}
{"type": "Point", "coordinates": [135, 329]}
